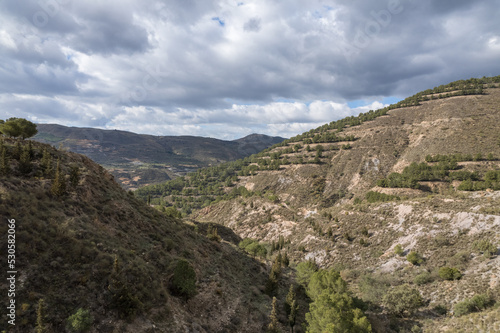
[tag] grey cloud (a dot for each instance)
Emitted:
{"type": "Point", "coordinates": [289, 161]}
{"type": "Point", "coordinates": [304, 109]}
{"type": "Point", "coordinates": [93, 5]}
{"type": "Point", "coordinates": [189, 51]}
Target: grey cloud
{"type": "Point", "coordinates": [298, 54]}
{"type": "Point", "coordinates": [253, 25]}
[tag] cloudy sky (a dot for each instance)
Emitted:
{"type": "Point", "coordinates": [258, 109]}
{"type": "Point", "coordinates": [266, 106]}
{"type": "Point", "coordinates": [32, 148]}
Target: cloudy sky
{"type": "Point", "coordinates": [226, 69]}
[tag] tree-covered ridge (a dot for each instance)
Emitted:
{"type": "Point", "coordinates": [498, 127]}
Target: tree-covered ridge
{"type": "Point", "coordinates": [445, 168]}
{"type": "Point", "coordinates": [209, 185]}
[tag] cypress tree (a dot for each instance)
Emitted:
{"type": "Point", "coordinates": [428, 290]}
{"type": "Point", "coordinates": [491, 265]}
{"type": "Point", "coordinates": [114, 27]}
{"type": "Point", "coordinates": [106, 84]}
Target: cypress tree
{"type": "Point", "coordinates": [46, 163]}
{"type": "Point", "coordinates": [59, 183]}
{"type": "Point", "coordinates": [74, 176]}
{"type": "Point", "coordinates": [4, 164]}
{"type": "Point", "coordinates": [17, 150]}
{"type": "Point", "coordinates": [292, 317]}
{"type": "Point", "coordinates": [25, 165]}
{"type": "Point", "coordinates": [273, 318]}
{"type": "Point", "coordinates": [40, 317]}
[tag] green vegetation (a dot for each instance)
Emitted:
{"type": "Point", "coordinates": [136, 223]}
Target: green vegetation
{"type": "Point", "coordinates": [253, 247]}
{"type": "Point", "coordinates": [333, 308]}
{"type": "Point", "coordinates": [373, 196]}
{"type": "Point", "coordinates": [398, 250]}
{"type": "Point", "coordinates": [273, 326]}
{"type": "Point", "coordinates": [18, 127]}
{"type": "Point", "coordinates": [422, 278]}
{"type": "Point", "coordinates": [80, 322]}
{"type": "Point", "coordinates": [414, 258]}
{"type": "Point", "coordinates": [474, 304]}
{"type": "Point", "coordinates": [402, 300]}
{"type": "Point", "coordinates": [485, 247]}
{"type": "Point", "coordinates": [443, 170]}
{"type": "Point", "coordinates": [449, 273]}
{"type": "Point", "coordinates": [184, 279]}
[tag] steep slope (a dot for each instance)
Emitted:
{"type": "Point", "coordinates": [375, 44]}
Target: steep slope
{"type": "Point", "coordinates": [90, 245]}
{"type": "Point", "coordinates": [136, 160]}
{"type": "Point", "coordinates": [320, 191]}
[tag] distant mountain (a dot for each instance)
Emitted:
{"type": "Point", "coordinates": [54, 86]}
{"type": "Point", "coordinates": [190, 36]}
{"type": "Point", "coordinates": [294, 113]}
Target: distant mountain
{"type": "Point", "coordinates": [138, 159]}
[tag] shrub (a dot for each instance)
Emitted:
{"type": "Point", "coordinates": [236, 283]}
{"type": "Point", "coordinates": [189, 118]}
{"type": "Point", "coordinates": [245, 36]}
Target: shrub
{"type": "Point", "coordinates": [373, 196]}
{"type": "Point", "coordinates": [414, 258]}
{"type": "Point", "coordinates": [422, 278]}
{"type": "Point", "coordinates": [474, 304]}
{"type": "Point", "coordinates": [485, 247]}
{"type": "Point", "coordinates": [81, 321]}
{"type": "Point", "coordinates": [398, 249]}
{"type": "Point", "coordinates": [402, 300]}
{"type": "Point", "coordinates": [449, 273]}
{"type": "Point", "coordinates": [184, 279]}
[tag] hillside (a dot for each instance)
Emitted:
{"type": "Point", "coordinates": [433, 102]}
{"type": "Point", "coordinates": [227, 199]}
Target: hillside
{"type": "Point", "coordinates": [98, 256]}
{"type": "Point", "coordinates": [137, 160]}
{"type": "Point", "coordinates": [419, 178]}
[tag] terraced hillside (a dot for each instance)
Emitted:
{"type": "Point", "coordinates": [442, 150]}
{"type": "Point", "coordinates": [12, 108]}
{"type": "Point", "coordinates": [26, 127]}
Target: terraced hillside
{"type": "Point", "coordinates": [403, 196]}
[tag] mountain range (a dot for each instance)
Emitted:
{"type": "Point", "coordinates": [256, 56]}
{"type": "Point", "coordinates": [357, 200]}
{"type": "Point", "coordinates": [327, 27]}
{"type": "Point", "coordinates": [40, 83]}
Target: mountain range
{"type": "Point", "coordinates": [137, 159]}
{"type": "Point", "coordinates": [384, 222]}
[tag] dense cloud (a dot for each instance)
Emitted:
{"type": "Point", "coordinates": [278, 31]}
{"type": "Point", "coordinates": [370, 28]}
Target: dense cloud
{"type": "Point", "coordinates": [229, 68]}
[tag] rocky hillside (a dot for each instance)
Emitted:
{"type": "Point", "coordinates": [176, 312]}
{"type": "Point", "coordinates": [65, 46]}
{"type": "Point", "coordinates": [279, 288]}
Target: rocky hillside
{"type": "Point", "coordinates": [92, 257]}
{"type": "Point", "coordinates": [137, 160]}
{"type": "Point", "coordinates": [404, 196]}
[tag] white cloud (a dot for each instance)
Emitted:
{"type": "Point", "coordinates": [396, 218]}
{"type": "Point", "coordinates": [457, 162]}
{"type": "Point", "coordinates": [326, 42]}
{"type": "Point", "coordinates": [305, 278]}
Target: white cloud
{"type": "Point", "coordinates": [168, 67]}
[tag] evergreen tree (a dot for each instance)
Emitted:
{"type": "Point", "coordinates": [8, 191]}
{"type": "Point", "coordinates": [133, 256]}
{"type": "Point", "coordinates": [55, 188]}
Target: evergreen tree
{"type": "Point", "coordinates": [25, 165]}
{"type": "Point", "coordinates": [74, 176]}
{"type": "Point", "coordinates": [273, 318]}
{"type": "Point", "coordinates": [46, 163]}
{"type": "Point", "coordinates": [290, 297]}
{"type": "Point", "coordinates": [59, 183]}
{"type": "Point", "coordinates": [40, 317]}
{"type": "Point", "coordinates": [5, 163]}
{"type": "Point", "coordinates": [122, 300]}
{"type": "Point", "coordinates": [17, 151]}
{"type": "Point", "coordinates": [292, 317]}
{"type": "Point", "coordinates": [285, 261]}
{"type": "Point", "coordinates": [274, 275]}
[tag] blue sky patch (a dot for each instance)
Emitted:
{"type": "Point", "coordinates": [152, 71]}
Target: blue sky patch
{"type": "Point", "coordinates": [221, 22]}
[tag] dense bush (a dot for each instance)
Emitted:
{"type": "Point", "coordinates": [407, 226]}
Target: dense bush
{"type": "Point", "coordinates": [253, 247]}
{"type": "Point", "coordinates": [402, 300]}
{"type": "Point", "coordinates": [81, 321]}
{"type": "Point", "coordinates": [184, 279]}
{"type": "Point", "coordinates": [474, 304]}
{"type": "Point", "coordinates": [449, 273]}
{"type": "Point", "coordinates": [414, 258]}
{"type": "Point", "coordinates": [422, 278]}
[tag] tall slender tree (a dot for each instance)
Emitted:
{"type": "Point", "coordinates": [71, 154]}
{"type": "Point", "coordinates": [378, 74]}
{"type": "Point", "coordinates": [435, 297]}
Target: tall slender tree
{"type": "Point", "coordinates": [59, 183]}
{"type": "Point", "coordinates": [273, 326]}
{"type": "Point", "coordinates": [4, 163]}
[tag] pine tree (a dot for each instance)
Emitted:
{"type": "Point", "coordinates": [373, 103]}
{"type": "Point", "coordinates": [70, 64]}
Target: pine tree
{"type": "Point", "coordinates": [273, 318]}
{"type": "Point", "coordinates": [40, 317]}
{"type": "Point", "coordinates": [5, 163]}
{"type": "Point", "coordinates": [59, 183]}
